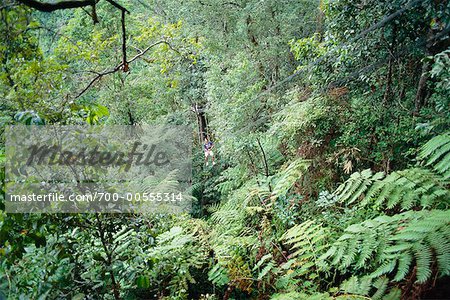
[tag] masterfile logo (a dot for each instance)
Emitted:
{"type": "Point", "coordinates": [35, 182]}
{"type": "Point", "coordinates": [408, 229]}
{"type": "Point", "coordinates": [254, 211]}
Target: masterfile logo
{"type": "Point", "coordinates": [55, 155]}
{"type": "Point", "coordinates": [117, 169]}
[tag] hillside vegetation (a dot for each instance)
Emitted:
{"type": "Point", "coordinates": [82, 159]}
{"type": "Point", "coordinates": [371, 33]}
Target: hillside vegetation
{"type": "Point", "coordinates": [330, 121]}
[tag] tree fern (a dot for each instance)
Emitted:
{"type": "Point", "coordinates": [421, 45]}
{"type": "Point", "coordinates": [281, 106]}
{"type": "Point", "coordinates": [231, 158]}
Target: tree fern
{"type": "Point", "coordinates": [309, 241]}
{"type": "Point", "coordinates": [387, 244]}
{"type": "Point", "coordinates": [218, 275]}
{"type": "Point", "coordinates": [281, 183]}
{"type": "Point", "coordinates": [409, 188]}
{"type": "Point", "coordinates": [367, 286]}
{"type": "Point", "coordinates": [285, 179]}
{"type": "Point", "coordinates": [436, 153]}
{"type": "Point", "coordinates": [416, 187]}
{"type": "Point", "coordinates": [356, 185]}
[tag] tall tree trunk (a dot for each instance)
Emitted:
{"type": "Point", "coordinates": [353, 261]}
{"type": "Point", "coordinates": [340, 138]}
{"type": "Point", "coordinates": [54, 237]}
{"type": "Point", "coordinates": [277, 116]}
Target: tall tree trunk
{"type": "Point", "coordinates": [388, 91]}
{"type": "Point", "coordinates": [320, 21]}
{"type": "Point", "coordinates": [430, 49]}
{"type": "Point", "coordinates": [202, 124]}
{"type": "Point", "coordinates": [422, 92]}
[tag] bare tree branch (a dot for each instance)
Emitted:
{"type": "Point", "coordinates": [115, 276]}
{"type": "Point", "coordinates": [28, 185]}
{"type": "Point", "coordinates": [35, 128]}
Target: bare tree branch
{"type": "Point", "coordinates": [119, 67]}
{"type": "Point", "coordinates": [148, 48]}
{"type": "Point", "coordinates": [49, 7]}
{"type": "Point", "coordinates": [99, 76]}
{"type": "Point", "coordinates": [124, 44]}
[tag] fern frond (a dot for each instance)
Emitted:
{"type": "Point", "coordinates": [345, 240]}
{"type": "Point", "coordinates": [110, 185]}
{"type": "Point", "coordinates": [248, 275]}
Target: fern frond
{"type": "Point", "coordinates": [356, 185]}
{"type": "Point", "coordinates": [286, 179]}
{"type": "Point", "coordinates": [394, 294]}
{"type": "Point", "coordinates": [441, 246]}
{"type": "Point", "coordinates": [393, 243]}
{"type": "Point", "coordinates": [443, 167]}
{"type": "Point", "coordinates": [362, 287]}
{"type": "Point", "coordinates": [366, 249]}
{"type": "Point", "coordinates": [416, 187]}
{"type": "Point", "coordinates": [355, 285]}
{"type": "Point", "coordinates": [423, 257]}
{"type": "Point", "coordinates": [436, 153]}
{"type": "Point", "coordinates": [404, 265]}
{"type": "Point", "coordinates": [386, 268]}
{"type": "Point", "coordinates": [218, 275]}
{"type": "Point", "coordinates": [435, 148]}
{"type": "Point", "coordinates": [381, 284]}
{"type": "Point", "coordinates": [309, 242]}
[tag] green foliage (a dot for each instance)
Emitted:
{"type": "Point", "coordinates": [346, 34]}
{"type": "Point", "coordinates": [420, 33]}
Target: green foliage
{"type": "Point", "coordinates": [436, 154]}
{"type": "Point", "coordinates": [440, 69]}
{"type": "Point", "coordinates": [416, 187]}
{"type": "Point", "coordinates": [175, 256]}
{"type": "Point", "coordinates": [42, 272]}
{"type": "Point", "coordinates": [393, 245]}
{"type": "Point", "coordinates": [307, 49]}
{"type": "Point", "coordinates": [309, 241]}
{"type": "Point", "coordinates": [301, 296]}
{"type": "Point", "coordinates": [230, 233]}
{"type": "Point", "coordinates": [356, 185]}
{"type": "Point", "coordinates": [28, 118]}
{"type": "Point", "coordinates": [365, 286]}
{"type": "Point", "coordinates": [355, 285]}
{"type": "Point", "coordinates": [218, 275]}
{"type": "Point", "coordinates": [300, 116]}
{"type": "Point", "coordinates": [296, 100]}
{"type": "Point", "coordinates": [440, 73]}
{"type": "Point", "coordinates": [409, 188]}
{"type": "Point", "coordinates": [281, 184]}
{"type": "Point", "coordinates": [92, 113]}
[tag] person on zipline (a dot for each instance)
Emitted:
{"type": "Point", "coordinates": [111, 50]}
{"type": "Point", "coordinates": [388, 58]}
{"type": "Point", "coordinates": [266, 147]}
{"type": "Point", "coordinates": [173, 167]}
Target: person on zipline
{"type": "Point", "coordinates": [207, 147]}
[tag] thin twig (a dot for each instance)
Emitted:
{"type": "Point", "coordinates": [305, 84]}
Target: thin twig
{"type": "Point", "coordinates": [118, 67]}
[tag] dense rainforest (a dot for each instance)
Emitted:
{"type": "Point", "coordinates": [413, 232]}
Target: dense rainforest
{"type": "Point", "coordinates": [330, 123]}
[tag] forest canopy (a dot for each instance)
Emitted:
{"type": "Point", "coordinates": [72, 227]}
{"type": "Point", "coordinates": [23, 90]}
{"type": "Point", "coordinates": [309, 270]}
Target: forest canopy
{"type": "Point", "coordinates": [327, 123]}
